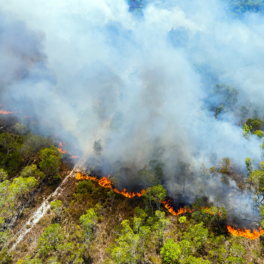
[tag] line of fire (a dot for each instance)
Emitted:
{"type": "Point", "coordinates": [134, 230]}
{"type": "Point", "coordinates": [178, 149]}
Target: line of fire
{"type": "Point", "coordinates": [106, 183]}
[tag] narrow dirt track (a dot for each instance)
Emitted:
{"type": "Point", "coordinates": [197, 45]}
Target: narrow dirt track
{"type": "Point", "coordinates": [44, 207]}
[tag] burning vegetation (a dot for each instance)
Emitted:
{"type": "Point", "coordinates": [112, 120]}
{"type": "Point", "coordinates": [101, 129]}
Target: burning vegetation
{"type": "Point", "coordinates": [179, 123]}
{"type": "Point", "coordinates": [60, 149]}
{"type": "Point", "coordinates": [3, 112]}
{"type": "Point", "coordinates": [106, 183]}
{"type": "Point", "coordinates": [96, 212]}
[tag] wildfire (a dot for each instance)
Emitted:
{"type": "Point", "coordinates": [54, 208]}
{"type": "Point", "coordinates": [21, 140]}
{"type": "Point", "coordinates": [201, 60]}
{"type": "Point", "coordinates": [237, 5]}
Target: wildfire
{"type": "Point", "coordinates": [169, 207]}
{"type": "Point", "coordinates": [5, 112]}
{"type": "Point", "coordinates": [74, 157]}
{"type": "Point", "coordinates": [60, 149]}
{"type": "Point", "coordinates": [106, 183]}
{"type": "Point", "coordinates": [65, 151]}
{"type": "Point", "coordinates": [245, 233]}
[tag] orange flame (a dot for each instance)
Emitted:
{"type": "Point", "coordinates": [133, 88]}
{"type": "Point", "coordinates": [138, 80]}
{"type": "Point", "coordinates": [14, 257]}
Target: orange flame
{"type": "Point", "coordinates": [80, 176]}
{"type": "Point", "coordinates": [245, 233]}
{"type": "Point", "coordinates": [60, 149]}
{"type": "Point", "coordinates": [106, 183]}
{"type": "Point", "coordinates": [5, 112]}
{"type": "Point", "coordinates": [65, 151]}
{"type": "Point", "coordinates": [169, 207]}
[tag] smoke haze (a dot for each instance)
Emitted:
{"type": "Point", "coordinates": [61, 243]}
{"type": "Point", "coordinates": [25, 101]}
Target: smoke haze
{"type": "Point", "coordinates": [143, 82]}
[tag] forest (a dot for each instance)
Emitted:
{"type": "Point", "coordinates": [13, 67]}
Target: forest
{"type": "Point", "coordinates": [131, 132]}
{"type": "Point", "coordinates": [92, 220]}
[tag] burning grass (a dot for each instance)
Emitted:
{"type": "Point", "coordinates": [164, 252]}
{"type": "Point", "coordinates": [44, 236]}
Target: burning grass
{"type": "Point", "coordinates": [106, 183]}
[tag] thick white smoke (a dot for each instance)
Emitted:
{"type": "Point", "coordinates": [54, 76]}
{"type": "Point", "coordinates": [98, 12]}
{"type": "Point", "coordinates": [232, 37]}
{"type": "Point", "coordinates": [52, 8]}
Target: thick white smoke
{"type": "Point", "coordinates": [138, 81]}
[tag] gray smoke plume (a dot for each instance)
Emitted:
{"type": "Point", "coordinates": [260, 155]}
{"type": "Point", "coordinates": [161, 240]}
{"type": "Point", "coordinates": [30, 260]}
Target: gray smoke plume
{"type": "Point", "coordinates": [144, 83]}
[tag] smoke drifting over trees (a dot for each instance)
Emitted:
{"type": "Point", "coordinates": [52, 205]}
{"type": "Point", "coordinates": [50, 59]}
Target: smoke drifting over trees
{"type": "Point", "coordinates": [174, 81]}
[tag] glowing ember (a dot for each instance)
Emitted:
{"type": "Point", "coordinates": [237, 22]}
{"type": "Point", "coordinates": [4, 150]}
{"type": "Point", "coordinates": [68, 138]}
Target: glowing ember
{"type": "Point", "coordinates": [5, 112]}
{"type": "Point", "coordinates": [106, 183]}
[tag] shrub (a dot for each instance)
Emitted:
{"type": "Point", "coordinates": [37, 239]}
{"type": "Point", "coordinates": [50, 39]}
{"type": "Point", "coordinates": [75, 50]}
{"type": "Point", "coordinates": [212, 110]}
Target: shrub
{"type": "Point", "coordinates": [56, 178]}
{"type": "Point", "coordinates": [84, 186]}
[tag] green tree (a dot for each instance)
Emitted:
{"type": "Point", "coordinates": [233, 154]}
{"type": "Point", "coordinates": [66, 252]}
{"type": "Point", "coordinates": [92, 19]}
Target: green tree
{"type": "Point", "coordinates": [4, 238]}
{"type": "Point", "coordinates": [249, 165]}
{"type": "Point", "coordinates": [28, 260]}
{"type": "Point", "coordinates": [237, 253]}
{"type": "Point", "coordinates": [225, 165]}
{"type": "Point", "coordinates": [6, 257]}
{"type": "Point", "coordinates": [247, 130]}
{"type": "Point", "coordinates": [88, 221]}
{"type": "Point", "coordinates": [161, 225]}
{"type": "Point", "coordinates": [50, 239]}
{"type": "Point", "coordinates": [262, 215]}
{"type": "Point", "coordinates": [21, 129]}
{"type": "Point", "coordinates": [255, 124]}
{"type": "Point", "coordinates": [50, 160]}
{"type": "Point", "coordinates": [144, 232]}
{"type": "Point", "coordinates": [33, 143]}
{"type": "Point", "coordinates": [154, 196]}
{"type": "Point", "coordinates": [147, 177]}
{"type": "Point", "coordinates": [137, 222]}
{"type": "Point", "coordinates": [210, 215]}
{"type": "Point", "coordinates": [56, 207]}
{"type": "Point", "coordinates": [12, 194]}
{"type": "Point", "coordinates": [173, 252]}
{"type": "Point", "coordinates": [158, 168]}
{"type": "Point", "coordinates": [140, 213]}
{"type": "Point", "coordinates": [8, 142]}
{"type": "Point", "coordinates": [259, 133]}
{"type": "Point", "coordinates": [194, 260]}
{"type": "Point", "coordinates": [3, 175]}
{"type": "Point", "coordinates": [32, 170]}
{"type": "Point", "coordinates": [21, 186]}
{"type": "Point", "coordinates": [227, 94]}
{"type": "Point", "coordinates": [182, 219]}
{"type": "Point", "coordinates": [126, 248]}
{"type": "Point", "coordinates": [170, 252]}
{"type": "Point", "coordinates": [159, 194]}
{"type": "Point", "coordinates": [53, 260]}
{"type": "Point", "coordinates": [257, 181]}
{"type": "Point", "coordinates": [84, 186]}
{"type": "Point", "coordinates": [197, 236]}
{"type": "Point", "coordinates": [111, 195]}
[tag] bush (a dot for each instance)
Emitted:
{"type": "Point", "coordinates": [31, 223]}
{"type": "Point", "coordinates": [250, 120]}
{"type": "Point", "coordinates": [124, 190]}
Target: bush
{"type": "Point", "coordinates": [21, 129]}
{"type": "Point", "coordinates": [84, 186]}
{"type": "Point", "coordinates": [170, 252]}
{"type": "Point", "coordinates": [50, 238]}
{"type": "Point", "coordinates": [259, 133]}
{"type": "Point", "coordinates": [57, 179]}
{"type": "Point", "coordinates": [5, 257]}
{"type": "Point", "coordinates": [256, 124]}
